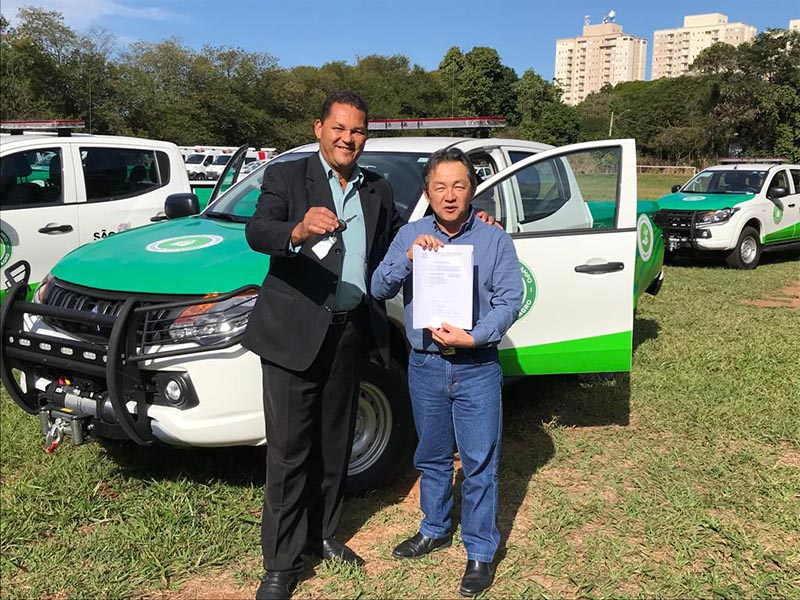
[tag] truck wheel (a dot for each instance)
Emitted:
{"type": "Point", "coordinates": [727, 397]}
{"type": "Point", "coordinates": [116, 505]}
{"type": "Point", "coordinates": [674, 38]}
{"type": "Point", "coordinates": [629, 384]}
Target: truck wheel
{"type": "Point", "coordinates": [747, 252]}
{"type": "Point", "coordinates": [385, 434]}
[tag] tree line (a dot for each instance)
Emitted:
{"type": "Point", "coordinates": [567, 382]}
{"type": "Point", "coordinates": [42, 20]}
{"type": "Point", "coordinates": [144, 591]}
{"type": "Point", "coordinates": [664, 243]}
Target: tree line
{"type": "Point", "coordinates": [744, 99]}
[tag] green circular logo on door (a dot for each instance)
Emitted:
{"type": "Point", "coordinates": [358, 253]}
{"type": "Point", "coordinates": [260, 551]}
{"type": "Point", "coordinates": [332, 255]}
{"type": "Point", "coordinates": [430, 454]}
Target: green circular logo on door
{"type": "Point", "coordinates": [5, 248]}
{"type": "Point", "coordinates": [777, 214]}
{"type": "Point", "coordinates": [184, 243]}
{"type": "Point", "coordinates": [644, 238]}
{"type": "Point", "coordinates": [529, 290]}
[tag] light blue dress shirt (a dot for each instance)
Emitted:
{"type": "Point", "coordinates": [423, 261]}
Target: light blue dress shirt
{"type": "Point", "coordinates": [497, 281]}
{"type": "Point", "coordinates": [353, 282]}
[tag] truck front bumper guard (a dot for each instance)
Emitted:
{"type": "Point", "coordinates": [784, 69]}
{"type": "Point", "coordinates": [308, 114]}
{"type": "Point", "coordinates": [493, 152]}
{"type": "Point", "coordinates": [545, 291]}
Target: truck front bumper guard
{"type": "Point", "coordinates": [116, 360]}
{"type": "Point", "coordinates": [681, 229]}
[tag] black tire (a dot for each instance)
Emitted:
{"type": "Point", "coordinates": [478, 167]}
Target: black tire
{"type": "Point", "coordinates": [385, 434]}
{"type": "Point", "coordinates": [747, 252]}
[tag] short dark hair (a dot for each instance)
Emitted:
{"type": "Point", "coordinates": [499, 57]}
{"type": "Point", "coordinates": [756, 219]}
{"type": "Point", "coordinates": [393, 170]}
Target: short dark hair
{"type": "Point", "coordinates": [344, 97]}
{"type": "Point", "coordinates": [449, 155]}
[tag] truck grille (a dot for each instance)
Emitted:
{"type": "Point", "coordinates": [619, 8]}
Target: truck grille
{"type": "Point", "coordinates": [678, 220]}
{"type": "Point", "coordinates": [90, 302]}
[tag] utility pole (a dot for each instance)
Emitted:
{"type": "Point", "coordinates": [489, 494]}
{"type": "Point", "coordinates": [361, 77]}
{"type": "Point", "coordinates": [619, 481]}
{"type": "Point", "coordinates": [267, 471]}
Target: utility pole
{"type": "Point", "coordinates": [611, 124]}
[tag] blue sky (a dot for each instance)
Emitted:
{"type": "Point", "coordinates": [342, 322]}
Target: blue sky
{"type": "Point", "coordinates": [306, 32]}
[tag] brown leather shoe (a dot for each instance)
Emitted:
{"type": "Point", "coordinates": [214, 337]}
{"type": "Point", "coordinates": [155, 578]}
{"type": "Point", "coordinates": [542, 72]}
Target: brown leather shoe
{"type": "Point", "coordinates": [420, 545]}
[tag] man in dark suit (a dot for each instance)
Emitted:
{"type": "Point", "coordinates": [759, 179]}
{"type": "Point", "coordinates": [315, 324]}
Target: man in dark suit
{"type": "Point", "coordinates": [326, 224]}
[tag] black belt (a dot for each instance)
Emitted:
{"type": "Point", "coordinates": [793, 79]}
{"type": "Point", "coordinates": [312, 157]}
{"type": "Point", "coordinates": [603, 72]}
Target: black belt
{"type": "Point", "coordinates": [343, 317]}
{"type": "Point", "coordinates": [449, 351]}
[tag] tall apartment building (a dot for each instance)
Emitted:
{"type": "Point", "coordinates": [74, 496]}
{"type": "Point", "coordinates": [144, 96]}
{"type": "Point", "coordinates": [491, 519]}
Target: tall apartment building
{"type": "Point", "coordinates": [674, 50]}
{"type": "Point", "coordinates": [603, 54]}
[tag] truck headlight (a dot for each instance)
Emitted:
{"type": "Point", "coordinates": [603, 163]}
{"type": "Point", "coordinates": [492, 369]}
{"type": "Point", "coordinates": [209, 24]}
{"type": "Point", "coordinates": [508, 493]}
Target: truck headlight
{"type": "Point", "coordinates": [41, 291]}
{"type": "Point", "coordinates": [715, 216]}
{"type": "Point", "coordinates": [213, 322]}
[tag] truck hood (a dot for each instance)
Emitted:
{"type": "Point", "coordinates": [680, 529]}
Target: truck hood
{"type": "Point", "coordinates": [185, 256]}
{"type": "Point", "coordinates": [681, 201]}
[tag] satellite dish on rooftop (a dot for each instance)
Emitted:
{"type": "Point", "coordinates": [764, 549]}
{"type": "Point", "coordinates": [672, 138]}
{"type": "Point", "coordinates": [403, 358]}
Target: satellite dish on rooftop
{"type": "Point", "coordinates": [611, 15]}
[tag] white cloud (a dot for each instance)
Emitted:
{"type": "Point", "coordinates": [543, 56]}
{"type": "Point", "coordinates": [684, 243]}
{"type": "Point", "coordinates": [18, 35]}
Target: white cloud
{"type": "Point", "coordinates": [81, 14]}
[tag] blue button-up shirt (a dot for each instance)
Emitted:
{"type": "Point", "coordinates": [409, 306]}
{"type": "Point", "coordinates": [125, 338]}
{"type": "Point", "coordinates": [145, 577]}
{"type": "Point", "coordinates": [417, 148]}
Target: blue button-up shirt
{"type": "Point", "coordinates": [497, 281]}
{"type": "Point", "coordinates": [353, 282]}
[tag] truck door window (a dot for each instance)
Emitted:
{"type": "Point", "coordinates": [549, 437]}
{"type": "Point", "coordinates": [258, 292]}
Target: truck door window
{"type": "Point", "coordinates": [492, 200]}
{"type": "Point", "coordinates": [796, 180]}
{"type": "Point", "coordinates": [779, 180]}
{"type": "Point", "coordinates": [116, 173]}
{"type": "Point", "coordinates": [571, 192]}
{"type": "Point", "coordinates": [31, 178]}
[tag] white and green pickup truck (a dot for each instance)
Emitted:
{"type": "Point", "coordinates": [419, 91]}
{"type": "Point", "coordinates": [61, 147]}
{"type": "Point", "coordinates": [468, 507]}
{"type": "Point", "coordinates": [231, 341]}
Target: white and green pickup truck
{"type": "Point", "coordinates": [138, 336]}
{"type": "Point", "coordinates": [736, 210]}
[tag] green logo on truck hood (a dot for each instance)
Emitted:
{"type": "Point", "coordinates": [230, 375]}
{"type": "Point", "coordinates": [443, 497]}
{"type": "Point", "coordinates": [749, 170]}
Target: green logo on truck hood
{"type": "Point", "coordinates": [194, 255]}
{"type": "Point", "coordinates": [680, 201]}
{"type": "Point", "coordinates": [184, 243]}
{"type": "Point", "coordinates": [529, 290]}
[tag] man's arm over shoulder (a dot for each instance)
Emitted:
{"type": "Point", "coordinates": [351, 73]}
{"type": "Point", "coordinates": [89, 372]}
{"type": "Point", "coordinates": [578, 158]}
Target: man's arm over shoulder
{"type": "Point", "coordinates": [507, 293]}
{"type": "Point", "coordinates": [395, 267]}
{"type": "Point", "coordinates": [270, 229]}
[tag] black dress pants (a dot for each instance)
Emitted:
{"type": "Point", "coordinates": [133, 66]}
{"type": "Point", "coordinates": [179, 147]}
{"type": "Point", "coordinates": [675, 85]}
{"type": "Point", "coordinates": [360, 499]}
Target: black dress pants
{"type": "Point", "coordinates": [310, 417]}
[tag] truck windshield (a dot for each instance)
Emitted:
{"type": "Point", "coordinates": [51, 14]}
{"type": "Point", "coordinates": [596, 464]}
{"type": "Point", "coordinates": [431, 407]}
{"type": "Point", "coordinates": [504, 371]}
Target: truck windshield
{"type": "Point", "coordinates": [403, 170]}
{"type": "Point", "coordinates": [222, 159]}
{"type": "Point", "coordinates": [726, 182]}
{"type": "Point", "coordinates": [195, 159]}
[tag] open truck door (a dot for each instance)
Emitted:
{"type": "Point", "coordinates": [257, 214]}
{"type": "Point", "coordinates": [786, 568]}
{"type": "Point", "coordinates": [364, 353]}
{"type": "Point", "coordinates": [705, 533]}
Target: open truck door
{"type": "Point", "coordinates": [571, 212]}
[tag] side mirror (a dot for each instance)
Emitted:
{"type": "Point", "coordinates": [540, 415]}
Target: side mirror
{"type": "Point", "coordinates": [676, 187]}
{"type": "Point", "coordinates": [181, 205]}
{"type": "Point", "coordinates": [777, 192]}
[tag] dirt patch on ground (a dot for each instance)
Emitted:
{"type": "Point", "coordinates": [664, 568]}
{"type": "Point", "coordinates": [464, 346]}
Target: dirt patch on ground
{"type": "Point", "coordinates": [221, 586]}
{"type": "Point", "coordinates": [789, 457]}
{"type": "Point", "coordinates": [788, 297]}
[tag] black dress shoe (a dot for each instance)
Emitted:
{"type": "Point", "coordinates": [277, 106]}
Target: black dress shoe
{"type": "Point", "coordinates": [420, 545]}
{"type": "Point", "coordinates": [276, 585]}
{"type": "Point", "coordinates": [477, 578]}
{"type": "Point", "coordinates": [333, 548]}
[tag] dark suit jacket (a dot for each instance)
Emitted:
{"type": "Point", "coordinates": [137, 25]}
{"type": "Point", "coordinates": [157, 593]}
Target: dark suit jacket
{"type": "Point", "coordinates": [293, 310]}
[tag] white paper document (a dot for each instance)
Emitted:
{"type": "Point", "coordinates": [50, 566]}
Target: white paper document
{"type": "Point", "coordinates": [442, 283]}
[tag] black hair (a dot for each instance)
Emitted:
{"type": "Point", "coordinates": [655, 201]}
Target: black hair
{"type": "Point", "coordinates": [449, 155]}
{"type": "Point", "coordinates": [344, 97]}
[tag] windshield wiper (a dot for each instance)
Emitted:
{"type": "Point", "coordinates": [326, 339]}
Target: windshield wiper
{"type": "Point", "coordinates": [226, 217]}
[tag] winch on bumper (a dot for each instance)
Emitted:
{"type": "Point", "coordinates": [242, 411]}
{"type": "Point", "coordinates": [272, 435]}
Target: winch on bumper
{"type": "Point", "coordinates": [90, 372]}
{"type": "Point", "coordinates": [682, 231]}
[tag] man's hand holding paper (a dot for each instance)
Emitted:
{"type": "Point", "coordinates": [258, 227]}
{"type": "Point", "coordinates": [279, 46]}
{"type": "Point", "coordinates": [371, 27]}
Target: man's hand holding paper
{"type": "Point", "coordinates": [442, 283]}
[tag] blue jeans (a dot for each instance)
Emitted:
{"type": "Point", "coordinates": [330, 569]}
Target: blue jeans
{"type": "Point", "coordinates": [456, 402]}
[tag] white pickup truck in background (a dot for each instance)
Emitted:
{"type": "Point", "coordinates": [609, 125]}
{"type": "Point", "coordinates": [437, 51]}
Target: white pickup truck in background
{"type": "Point", "coordinates": [59, 189]}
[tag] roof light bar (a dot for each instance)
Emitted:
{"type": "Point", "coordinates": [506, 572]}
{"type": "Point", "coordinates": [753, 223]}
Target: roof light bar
{"type": "Point", "coordinates": [62, 126]}
{"type": "Point", "coordinates": [441, 123]}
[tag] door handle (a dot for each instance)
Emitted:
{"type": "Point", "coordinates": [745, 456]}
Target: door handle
{"type": "Point", "coordinates": [52, 229]}
{"type": "Point", "coordinates": [791, 205]}
{"type": "Point", "coordinates": [609, 267]}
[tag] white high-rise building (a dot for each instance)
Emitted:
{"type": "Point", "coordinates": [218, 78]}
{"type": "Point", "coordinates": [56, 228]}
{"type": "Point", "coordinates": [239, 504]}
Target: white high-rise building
{"type": "Point", "coordinates": [794, 25]}
{"type": "Point", "coordinates": [674, 50]}
{"type": "Point", "coordinates": [603, 54]}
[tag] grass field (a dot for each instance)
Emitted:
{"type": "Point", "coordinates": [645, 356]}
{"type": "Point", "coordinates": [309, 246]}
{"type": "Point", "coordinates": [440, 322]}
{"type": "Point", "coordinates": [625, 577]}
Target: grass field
{"type": "Point", "coordinates": [680, 480]}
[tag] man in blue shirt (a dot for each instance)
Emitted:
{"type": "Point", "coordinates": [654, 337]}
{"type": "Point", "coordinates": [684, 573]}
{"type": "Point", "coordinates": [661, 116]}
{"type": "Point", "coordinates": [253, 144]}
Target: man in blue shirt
{"type": "Point", "coordinates": [454, 375]}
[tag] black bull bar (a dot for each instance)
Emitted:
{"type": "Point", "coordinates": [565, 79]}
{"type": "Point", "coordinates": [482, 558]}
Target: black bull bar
{"type": "Point", "coordinates": [115, 360]}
